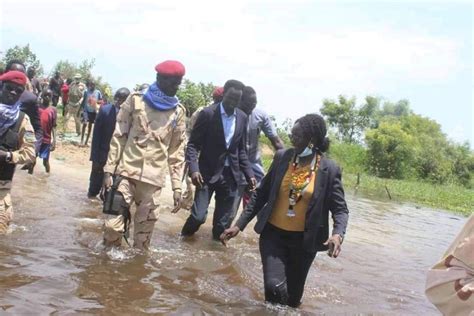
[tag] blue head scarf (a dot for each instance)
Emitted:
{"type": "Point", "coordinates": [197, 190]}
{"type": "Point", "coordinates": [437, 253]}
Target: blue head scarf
{"type": "Point", "coordinates": [8, 116]}
{"type": "Point", "coordinates": [156, 99]}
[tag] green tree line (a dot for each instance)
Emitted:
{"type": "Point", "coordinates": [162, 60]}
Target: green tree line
{"type": "Point", "coordinates": [389, 140]}
{"type": "Point", "coordinates": [66, 68]}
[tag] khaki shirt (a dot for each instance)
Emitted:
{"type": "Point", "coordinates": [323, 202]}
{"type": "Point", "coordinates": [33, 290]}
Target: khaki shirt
{"type": "Point", "coordinates": [81, 87]}
{"type": "Point", "coordinates": [151, 140]}
{"type": "Point", "coordinates": [26, 152]}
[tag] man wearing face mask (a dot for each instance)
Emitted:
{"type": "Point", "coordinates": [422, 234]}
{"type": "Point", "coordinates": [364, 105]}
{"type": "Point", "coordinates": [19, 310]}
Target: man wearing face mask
{"type": "Point", "coordinates": [17, 141]}
{"type": "Point", "coordinates": [148, 140]}
{"type": "Point", "coordinates": [216, 156]}
{"type": "Point", "coordinates": [103, 130]}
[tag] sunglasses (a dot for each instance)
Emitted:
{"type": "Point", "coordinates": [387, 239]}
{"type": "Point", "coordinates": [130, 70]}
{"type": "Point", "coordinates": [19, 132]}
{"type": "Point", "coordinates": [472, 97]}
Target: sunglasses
{"type": "Point", "coordinates": [13, 88]}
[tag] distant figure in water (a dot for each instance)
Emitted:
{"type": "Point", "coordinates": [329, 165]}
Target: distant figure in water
{"type": "Point", "coordinates": [48, 116]}
{"type": "Point", "coordinates": [17, 139]}
{"type": "Point", "coordinates": [90, 105]}
{"type": "Point", "coordinates": [293, 203]}
{"type": "Point", "coordinates": [450, 282]}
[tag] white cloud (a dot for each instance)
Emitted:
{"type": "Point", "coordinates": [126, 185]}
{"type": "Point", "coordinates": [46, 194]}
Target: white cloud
{"type": "Point", "coordinates": [289, 63]}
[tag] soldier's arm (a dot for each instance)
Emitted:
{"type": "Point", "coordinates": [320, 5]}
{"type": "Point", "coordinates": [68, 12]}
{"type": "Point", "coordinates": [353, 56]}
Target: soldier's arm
{"type": "Point", "coordinates": [26, 138]}
{"type": "Point", "coordinates": [176, 150]}
{"type": "Point", "coordinates": [120, 136]}
{"type": "Point", "coordinates": [198, 134]}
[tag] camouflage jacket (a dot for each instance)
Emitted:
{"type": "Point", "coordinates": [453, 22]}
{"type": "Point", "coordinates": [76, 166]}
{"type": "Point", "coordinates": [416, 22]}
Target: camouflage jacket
{"type": "Point", "coordinates": [152, 141]}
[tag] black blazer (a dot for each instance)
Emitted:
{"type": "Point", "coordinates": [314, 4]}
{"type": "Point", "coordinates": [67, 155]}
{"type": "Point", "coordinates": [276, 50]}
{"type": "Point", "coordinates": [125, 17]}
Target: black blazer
{"type": "Point", "coordinates": [206, 151]}
{"type": "Point", "coordinates": [328, 196]}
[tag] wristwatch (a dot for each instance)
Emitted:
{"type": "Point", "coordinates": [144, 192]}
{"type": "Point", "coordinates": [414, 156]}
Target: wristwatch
{"type": "Point", "coordinates": [9, 156]}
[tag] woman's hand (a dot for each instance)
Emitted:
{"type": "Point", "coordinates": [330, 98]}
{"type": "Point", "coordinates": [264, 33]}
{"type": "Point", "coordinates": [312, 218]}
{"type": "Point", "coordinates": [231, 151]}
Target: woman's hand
{"type": "Point", "coordinates": [334, 242]}
{"type": "Point", "coordinates": [228, 234]}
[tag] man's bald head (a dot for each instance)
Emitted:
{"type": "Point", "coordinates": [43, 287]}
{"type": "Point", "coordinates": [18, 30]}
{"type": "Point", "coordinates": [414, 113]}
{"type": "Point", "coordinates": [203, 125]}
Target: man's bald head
{"type": "Point", "coordinates": [121, 95]}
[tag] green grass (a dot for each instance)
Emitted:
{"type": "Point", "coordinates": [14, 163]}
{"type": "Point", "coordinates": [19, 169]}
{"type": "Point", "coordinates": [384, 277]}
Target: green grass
{"type": "Point", "coordinates": [452, 198]}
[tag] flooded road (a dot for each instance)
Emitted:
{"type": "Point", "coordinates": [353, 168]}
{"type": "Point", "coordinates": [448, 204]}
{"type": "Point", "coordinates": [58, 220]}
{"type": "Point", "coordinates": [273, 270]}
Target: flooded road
{"type": "Point", "coordinates": [52, 261]}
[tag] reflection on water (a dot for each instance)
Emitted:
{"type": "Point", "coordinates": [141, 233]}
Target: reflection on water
{"type": "Point", "coordinates": [52, 260]}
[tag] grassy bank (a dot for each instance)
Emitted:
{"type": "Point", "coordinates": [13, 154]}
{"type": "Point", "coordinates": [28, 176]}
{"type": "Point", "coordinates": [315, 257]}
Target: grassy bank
{"type": "Point", "coordinates": [449, 197]}
{"type": "Point", "coordinates": [453, 198]}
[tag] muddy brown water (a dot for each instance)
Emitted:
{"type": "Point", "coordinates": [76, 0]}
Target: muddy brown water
{"type": "Point", "coordinates": [52, 261]}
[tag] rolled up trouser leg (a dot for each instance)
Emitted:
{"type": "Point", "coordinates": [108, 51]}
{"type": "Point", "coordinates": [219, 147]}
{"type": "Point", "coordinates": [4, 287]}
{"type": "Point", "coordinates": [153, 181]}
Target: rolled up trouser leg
{"type": "Point", "coordinates": [71, 111]}
{"type": "Point", "coordinates": [148, 205]}
{"type": "Point", "coordinates": [114, 227]}
{"type": "Point", "coordinates": [6, 210]}
{"type": "Point", "coordinates": [77, 120]}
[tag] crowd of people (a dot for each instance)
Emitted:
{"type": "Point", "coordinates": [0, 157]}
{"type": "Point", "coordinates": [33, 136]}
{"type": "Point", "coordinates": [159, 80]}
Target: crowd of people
{"type": "Point", "coordinates": [145, 135]}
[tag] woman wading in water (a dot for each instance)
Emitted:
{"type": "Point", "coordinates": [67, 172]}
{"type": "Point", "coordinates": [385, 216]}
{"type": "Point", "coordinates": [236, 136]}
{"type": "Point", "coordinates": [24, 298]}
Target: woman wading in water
{"type": "Point", "coordinates": [292, 205]}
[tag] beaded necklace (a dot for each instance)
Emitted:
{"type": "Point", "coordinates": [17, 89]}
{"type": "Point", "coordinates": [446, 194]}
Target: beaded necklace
{"type": "Point", "coordinates": [299, 181]}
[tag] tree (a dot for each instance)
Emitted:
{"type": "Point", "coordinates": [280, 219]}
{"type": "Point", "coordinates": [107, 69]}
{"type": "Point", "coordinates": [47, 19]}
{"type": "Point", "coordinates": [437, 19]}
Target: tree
{"type": "Point", "coordinates": [26, 55]}
{"type": "Point", "coordinates": [462, 159]}
{"type": "Point", "coordinates": [389, 153]}
{"type": "Point", "coordinates": [349, 121]}
{"type": "Point", "coordinates": [401, 108]}
{"type": "Point", "coordinates": [283, 131]}
{"type": "Point", "coordinates": [68, 69]}
{"type": "Point", "coordinates": [195, 95]}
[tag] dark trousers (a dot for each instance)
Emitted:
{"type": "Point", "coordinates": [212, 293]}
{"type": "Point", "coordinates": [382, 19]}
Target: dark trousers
{"type": "Point", "coordinates": [96, 178]}
{"type": "Point", "coordinates": [285, 265]}
{"type": "Point", "coordinates": [55, 100]}
{"type": "Point", "coordinates": [225, 190]}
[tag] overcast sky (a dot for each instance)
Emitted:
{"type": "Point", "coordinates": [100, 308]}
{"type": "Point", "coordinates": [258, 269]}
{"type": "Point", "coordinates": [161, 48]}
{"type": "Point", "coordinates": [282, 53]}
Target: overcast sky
{"type": "Point", "coordinates": [294, 53]}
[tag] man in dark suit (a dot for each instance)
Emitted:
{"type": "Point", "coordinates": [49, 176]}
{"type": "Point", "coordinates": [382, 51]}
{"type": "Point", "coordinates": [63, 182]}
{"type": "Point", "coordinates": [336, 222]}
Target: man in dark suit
{"type": "Point", "coordinates": [101, 137]}
{"type": "Point", "coordinates": [216, 156]}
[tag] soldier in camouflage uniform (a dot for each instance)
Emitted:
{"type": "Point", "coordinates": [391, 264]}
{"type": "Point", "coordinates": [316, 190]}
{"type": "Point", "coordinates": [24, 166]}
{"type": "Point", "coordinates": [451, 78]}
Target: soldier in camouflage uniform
{"type": "Point", "coordinates": [76, 96]}
{"type": "Point", "coordinates": [17, 140]}
{"type": "Point", "coordinates": [149, 138]}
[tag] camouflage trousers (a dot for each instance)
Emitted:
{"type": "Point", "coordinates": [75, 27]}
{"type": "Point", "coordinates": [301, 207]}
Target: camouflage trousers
{"type": "Point", "coordinates": [71, 110]}
{"type": "Point", "coordinates": [146, 198]}
{"type": "Point", "coordinates": [6, 210]}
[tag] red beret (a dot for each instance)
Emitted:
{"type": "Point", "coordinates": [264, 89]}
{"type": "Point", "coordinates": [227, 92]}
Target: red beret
{"type": "Point", "coordinates": [218, 92]}
{"type": "Point", "coordinates": [14, 76]}
{"type": "Point", "coordinates": [170, 68]}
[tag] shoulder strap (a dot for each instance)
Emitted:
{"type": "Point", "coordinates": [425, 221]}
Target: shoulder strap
{"type": "Point", "coordinates": [16, 127]}
{"type": "Point", "coordinates": [138, 103]}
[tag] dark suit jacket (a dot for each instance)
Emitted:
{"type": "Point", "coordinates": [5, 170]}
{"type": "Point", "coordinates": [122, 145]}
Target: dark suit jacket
{"type": "Point", "coordinates": [206, 151]}
{"type": "Point", "coordinates": [328, 196]}
{"type": "Point", "coordinates": [29, 105]}
{"type": "Point", "coordinates": [103, 130]}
